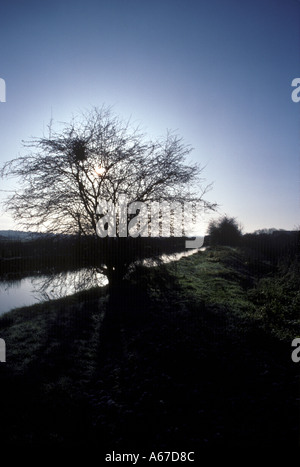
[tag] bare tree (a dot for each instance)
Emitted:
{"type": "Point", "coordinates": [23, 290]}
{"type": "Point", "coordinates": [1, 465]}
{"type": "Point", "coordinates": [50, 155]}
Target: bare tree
{"type": "Point", "coordinates": [98, 156]}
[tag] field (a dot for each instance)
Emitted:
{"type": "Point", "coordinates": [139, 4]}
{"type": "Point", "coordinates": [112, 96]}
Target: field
{"type": "Point", "coordinates": [193, 354]}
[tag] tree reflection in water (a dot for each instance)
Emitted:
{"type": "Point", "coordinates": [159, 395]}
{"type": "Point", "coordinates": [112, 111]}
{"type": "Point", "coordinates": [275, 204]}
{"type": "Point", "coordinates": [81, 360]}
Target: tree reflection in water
{"type": "Point", "coordinates": [61, 284]}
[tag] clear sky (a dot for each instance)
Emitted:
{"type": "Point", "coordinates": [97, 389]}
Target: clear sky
{"type": "Point", "coordinates": [218, 72]}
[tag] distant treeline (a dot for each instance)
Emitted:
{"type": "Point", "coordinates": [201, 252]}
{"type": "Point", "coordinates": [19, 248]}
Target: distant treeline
{"type": "Point", "coordinates": [70, 252]}
{"type": "Point", "coordinates": [273, 247]}
{"type": "Point", "coordinates": [269, 246]}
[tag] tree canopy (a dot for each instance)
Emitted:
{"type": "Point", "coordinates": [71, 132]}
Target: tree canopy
{"type": "Point", "coordinates": [224, 231]}
{"type": "Point", "coordinates": [97, 156]}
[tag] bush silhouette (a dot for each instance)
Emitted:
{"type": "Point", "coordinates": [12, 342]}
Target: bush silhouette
{"type": "Point", "coordinates": [224, 231]}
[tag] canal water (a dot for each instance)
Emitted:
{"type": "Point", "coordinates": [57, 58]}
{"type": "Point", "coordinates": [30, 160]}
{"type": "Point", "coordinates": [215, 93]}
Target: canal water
{"type": "Point", "coordinates": [38, 288]}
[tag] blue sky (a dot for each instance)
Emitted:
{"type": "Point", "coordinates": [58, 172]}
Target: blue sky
{"type": "Point", "coordinates": [217, 72]}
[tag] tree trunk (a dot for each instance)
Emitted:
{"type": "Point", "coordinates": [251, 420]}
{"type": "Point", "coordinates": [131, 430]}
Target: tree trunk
{"type": "Point", "coordinates": [115, 289]}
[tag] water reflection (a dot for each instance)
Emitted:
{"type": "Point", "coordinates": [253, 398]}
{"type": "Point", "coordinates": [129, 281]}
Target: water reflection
{"type": "Point", "coordinates": [172, 257]}
{"type": "Point", "coordinates": [18, 292]}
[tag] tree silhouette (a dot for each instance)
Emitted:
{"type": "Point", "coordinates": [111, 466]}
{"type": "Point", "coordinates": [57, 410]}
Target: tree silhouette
{"type": "Point", "coordinates": [99, 157]}
{"type": "Point", "coordinates": [224, 231]}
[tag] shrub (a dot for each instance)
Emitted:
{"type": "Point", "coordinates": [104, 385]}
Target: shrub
{"type": "Point", "coordinates": [224, 231]}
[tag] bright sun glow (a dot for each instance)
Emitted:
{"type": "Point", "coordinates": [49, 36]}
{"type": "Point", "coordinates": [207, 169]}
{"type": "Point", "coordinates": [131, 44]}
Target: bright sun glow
{"type": "Point", "coordinates": [100, 170]}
